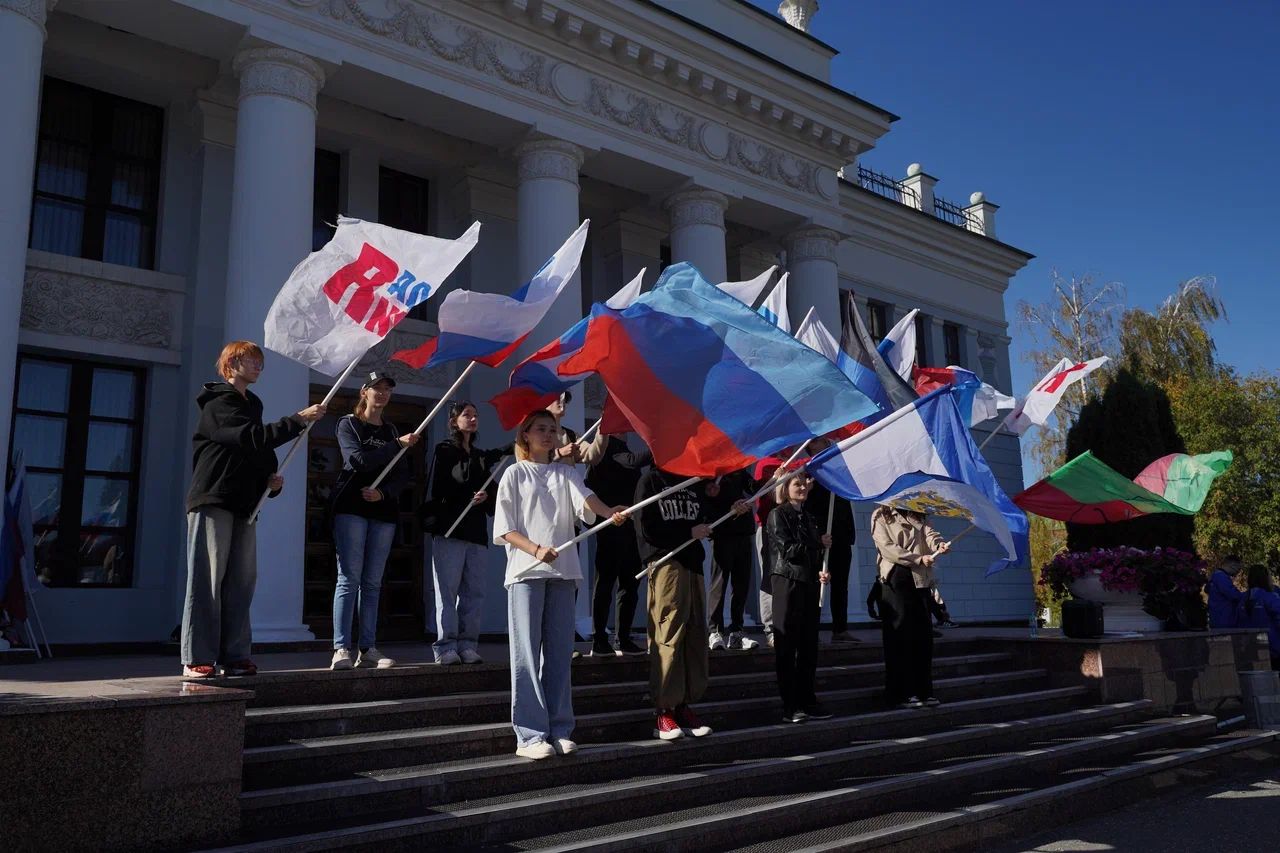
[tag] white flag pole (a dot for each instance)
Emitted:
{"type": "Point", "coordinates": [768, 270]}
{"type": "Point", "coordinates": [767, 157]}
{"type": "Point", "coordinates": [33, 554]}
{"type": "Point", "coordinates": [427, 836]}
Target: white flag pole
{"type": "Point", "coordinates": [993, 433]}
{"type": "Point", "coordinates": [297, 442]}
{"type": "Point", "coordinates": [425, 421]}
{"type": "Point", "coordinates": [683, 484]}
{"type": "Point", "coordinates": [586, 436]}
{"type": "Point", "coordinates": [826, 552]}
{"type": "Point", "coordinates": [467, 509]}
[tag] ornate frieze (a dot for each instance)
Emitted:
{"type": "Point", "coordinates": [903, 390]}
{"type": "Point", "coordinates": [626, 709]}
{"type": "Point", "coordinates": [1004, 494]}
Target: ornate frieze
{"type": "Point", "coordinates": [549, 158]}
{"type": "Point", "coordinates": [812, 244]}
{"type": "Point", "coordinates": [379, 358]}
{"type": "Point", "coordinates": [37, 11]}
{"type": "Point", "coordinates": [697, 207]}
{"type": "Point", "coordinates": [63, 303]}
{"type": "Point", "coordinates": [278, 71]}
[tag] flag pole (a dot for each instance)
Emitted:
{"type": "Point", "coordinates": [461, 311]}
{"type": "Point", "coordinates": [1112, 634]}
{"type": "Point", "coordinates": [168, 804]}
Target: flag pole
{"type": "Point", "coordinates": [826, 552]}
{"type": "Point", "coordinates": [425, 421]}
{"type": "Point", "coordinates": [992, 434]}
{"type": "Point", "coordinates": [297, 442]}
{"type": "Point", "coordinates": [586, 436]}
{"type": "Point", "coordinates": [683, 484]}
{"type": "Point", "coordinates": [962, 534]}
{"type": "Point", "coordinates": [470, 504]}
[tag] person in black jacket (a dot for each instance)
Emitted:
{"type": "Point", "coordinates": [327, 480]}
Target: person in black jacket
{"type": "Point", "coordinates": [233, 462]}
{"type": "Point", "coordinates": [458, 470]}
{"type": "Point", "coordinates": [843, 538]}
{"type": "Point", "coordinates": [795, 561]}
{"type": "Point", "coordinates": [614, 472]}
{"type": "Point", "coordinates": [365, 519]}
{"type": "Point", "coordinates": [731, 560]}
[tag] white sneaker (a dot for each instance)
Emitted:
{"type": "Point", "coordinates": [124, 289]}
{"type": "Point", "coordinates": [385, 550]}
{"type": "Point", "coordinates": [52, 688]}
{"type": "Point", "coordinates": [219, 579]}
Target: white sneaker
{"type": "Point", "coordinates": [470, 656]}
{"type": "Point", "coordinates": [536, 751]}
{"type": "Point", "coordinates": [715, 642]}
{"type": "Point", "coordinates": [371, 657]}
{"type": "Point", "coordinates": [341, 659]}
{"type": "Point", "coordinates": [564, 746]}
{"type": "Point", "coordinates": [739, 640]}
{"type": "Point", "coordinates": [449, 658]}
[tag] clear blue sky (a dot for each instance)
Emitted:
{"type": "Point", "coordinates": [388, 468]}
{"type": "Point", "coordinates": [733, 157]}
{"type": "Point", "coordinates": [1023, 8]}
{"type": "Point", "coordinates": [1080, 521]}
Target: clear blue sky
{"type": "Point", "coordinates": [1134, 140]}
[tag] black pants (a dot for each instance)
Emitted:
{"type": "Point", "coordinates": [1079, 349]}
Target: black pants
{"type": "Point", "coordinates": [937, 606]}
{"type": "Point", "coordinates": [730, 565]}
{"type": "Point", "coordinates": [841, 558]}
{"type": "Point", "coordinates": [908, 638]}
{"type": "Point", "coordinates": [617, 562]}
{"type": "Point", "coordinates": [795, 641]}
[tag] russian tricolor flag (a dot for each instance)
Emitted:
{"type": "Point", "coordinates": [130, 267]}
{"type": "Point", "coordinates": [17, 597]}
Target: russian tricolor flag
{"type": "Point", "coordinates": [488, 327]}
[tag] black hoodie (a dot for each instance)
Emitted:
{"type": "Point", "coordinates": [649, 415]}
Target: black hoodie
{"type": "Point", "coordinates": [668, 523]}
{"type": "Point", "coordinates": [233, 451]}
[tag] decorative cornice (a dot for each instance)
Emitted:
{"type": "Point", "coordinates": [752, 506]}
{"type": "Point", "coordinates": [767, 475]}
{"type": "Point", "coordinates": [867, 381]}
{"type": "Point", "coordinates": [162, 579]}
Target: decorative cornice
{"type": "Point", "coordinates": [811, 244]}
{"type": "Point", "coordinates": [549, 158]}
{"type": "Point", "coordinates": [278, 71]}
{"type": "Point", "coordinates": [696, 207]}
{"type": "Point", "coordinates": [36, 11]}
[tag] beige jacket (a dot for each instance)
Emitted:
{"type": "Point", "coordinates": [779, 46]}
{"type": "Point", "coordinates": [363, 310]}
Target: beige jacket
{"type": "Point", "coordinates": [902, 541]}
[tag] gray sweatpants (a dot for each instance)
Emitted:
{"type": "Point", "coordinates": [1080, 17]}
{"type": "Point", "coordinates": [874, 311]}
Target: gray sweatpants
{"type": "Point", "coordinates": [222, 570]}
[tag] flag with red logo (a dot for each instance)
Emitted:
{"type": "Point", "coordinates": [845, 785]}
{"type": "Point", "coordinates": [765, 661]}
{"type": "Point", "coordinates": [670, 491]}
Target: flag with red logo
{"type": "Point", "coordinates": [1035, 408]}
{"type": "Point", "coordinates": [348, 296]}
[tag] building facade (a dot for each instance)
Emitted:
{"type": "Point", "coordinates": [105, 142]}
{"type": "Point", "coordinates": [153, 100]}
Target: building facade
{"type": "Point", "coordinates": [168, 162]}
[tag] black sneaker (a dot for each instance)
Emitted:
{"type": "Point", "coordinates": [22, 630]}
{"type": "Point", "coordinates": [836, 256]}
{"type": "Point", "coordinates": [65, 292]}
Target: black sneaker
{"type": "Point", "coordinates": [932, 702]}
{"type": "Point", "coordinates": [817, 712]}
{"type": "Point", "coordinates": [575, 656]}
{"type": "Point", "coordinates": [794, 716]}
{"type": "Point", "coordinates": [602, 649]}
{"type": "Point", "coordinates": [626, 646]}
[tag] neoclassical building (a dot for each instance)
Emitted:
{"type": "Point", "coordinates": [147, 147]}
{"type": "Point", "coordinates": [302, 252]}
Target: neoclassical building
{"type": "Point", "coordinates": [166, 164]}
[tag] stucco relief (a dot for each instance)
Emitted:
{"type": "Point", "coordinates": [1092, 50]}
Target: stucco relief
{"type": "Point", "coordinates": [549, 158]}
{"type": "Point", "coordinates": [634, 111]}
{"type": "Point", "coordinates": [697, 207]}
{"type": "Point", "coordinates": [278, 71]}
{"type": "Point", "coordinates": [812, 244]}
{"type": "Point", "coordinates": [64, 304]}
{"type": "Point", "coordinates": [771, 164]}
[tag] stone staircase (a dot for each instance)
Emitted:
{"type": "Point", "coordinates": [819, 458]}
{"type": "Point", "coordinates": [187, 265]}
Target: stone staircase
{"type": "Point", "coordinates": [421, 757]}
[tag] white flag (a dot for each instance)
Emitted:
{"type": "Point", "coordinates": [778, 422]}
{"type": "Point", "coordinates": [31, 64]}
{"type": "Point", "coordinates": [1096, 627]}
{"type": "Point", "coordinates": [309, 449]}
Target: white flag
{"type": "Point", "coordinates": [345, 298]}
{"type": "Point", "coordinates": [899, 346]}
{"type": "Point", "coordinates": [747, 292]}
{"type": "Point", "coordinates": [774, 308]}
{"type": "Point", "coordinates": [1036, 407]}
{"type": "Point", "coordinates": [815, 335]}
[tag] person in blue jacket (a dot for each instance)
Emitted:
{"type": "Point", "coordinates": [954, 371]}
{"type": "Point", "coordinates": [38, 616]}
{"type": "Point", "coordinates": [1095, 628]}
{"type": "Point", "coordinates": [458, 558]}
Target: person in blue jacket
{"type": "Point", "coordinates": [1224, 598]}
{"type": "Point", "coordinates": [1260, 608]}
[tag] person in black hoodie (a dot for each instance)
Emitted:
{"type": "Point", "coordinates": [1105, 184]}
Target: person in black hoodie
{"type": "Point", "coordinates": [795, 560]}
{"type": "Point", "coordinates": [615, 471]}
{"type": "Point", "coordinates": [458, 470]}
{"type": "Point", "coordinates": [843, 538]}
{"type": "Point", "coordinates": [233, 462]}
{"type": "Point", "coordinates": [364, 519]}
{"type": "Point", "coordinates": [731, 560]}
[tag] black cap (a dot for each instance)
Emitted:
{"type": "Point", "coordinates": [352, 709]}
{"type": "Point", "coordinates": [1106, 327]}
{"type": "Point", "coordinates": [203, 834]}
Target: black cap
{"type": "Point", "coordinates": [375, 377]}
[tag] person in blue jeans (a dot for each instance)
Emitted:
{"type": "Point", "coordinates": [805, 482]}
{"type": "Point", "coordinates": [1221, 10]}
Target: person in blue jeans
{"type": "Point", "coordinates": [537, 505]}
{"type": "Point", "coordinates": [1224, 598]}
{"type": "Point", "coordinates": [458, 470]}
{"type": "Point", "coordinates": [364, 520]}
{"type": "Point", "coordinates": [1260, 609]}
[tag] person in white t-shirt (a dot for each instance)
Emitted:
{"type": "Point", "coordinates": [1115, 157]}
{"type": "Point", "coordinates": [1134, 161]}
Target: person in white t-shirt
{"type": "Point", "coordinates": [536, 507]}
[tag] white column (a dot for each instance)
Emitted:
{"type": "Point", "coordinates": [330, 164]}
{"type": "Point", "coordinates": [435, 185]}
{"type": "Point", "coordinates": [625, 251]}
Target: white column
{"type": "Point", "coordinates": [21, 49]}
{"type": "Point", "coordinates": [270, 233]}
{"type": "Point", "coordinates": [815, 277]}
{"type": "Point", "coordinates": [697, 231]}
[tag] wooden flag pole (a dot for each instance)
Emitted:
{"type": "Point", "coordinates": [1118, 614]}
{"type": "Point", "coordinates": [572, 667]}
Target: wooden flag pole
{"type": "Point", "coordinates": [425, 421]}
{"type": "Point", "coordinates": [297, 442]}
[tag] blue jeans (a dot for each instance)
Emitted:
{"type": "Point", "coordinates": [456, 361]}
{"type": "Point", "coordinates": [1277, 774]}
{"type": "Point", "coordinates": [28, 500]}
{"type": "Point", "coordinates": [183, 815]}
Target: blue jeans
{"type": "Point", "coordinates": [362, 545]}
{"type": "Point", "coordinates": [457, 570]}
{"type": "Point", "coordinates": [540, 621]}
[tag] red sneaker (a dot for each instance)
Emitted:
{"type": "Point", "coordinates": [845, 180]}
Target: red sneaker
{"type": "Point", "coordinates": [241, 667]}
{"type": "Point", "coordinates": [667, 728]}
{"type": "Point", "coordinates": [198, 670]}
{"type": "Point", "coordinates": [690, 721]}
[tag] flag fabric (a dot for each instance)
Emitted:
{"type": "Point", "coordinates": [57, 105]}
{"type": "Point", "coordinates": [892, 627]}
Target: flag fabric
{"type": "Point", "coordinates": [977, 400]}
{"type": "Point", "coordinates": [748, 292]}
{"type": "Point", "coordinates": [945, 498]}
{"type": "Point", "coordinates": [899, 346]}
{"type": "Point", "coordinates": [1036, 407]}
{"type": "Point", "coordinates": [707, 383]}
{"type": "Point", "coordinates": [774, 308]}
{"type": "Point", "coordinates": [813, 333]}
{"type": "Point", "coordinates": [922, 442]}
{"type": "Point", "coordinates": [348, 296]}
{"type": "Point", "coordinates": [488, 327]}
{"type": "Point", "coordinates": [1088, 491]}
{"type": "Point", "coordinates": [535, 384]}
{"type": "Point", "coordinates": [612, 420]}
{"type": "Point", "coordinates": [865, 366]}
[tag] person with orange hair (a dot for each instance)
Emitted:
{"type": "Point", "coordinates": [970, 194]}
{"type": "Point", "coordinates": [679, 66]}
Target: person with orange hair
{"type": "Point", "coordinates": [233, 461]}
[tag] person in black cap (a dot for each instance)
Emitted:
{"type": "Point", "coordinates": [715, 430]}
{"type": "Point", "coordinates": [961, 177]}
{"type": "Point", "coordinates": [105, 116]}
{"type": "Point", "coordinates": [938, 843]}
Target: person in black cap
{"type": "Point", "coordinates": [364, 520]}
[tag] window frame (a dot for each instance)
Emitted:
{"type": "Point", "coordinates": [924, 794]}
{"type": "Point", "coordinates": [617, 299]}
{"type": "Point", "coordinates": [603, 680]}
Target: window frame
{"type": "Point", "coordinates": [877, 320]}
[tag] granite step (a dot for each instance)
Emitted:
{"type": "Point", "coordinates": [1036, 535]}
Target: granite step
{"type": "Point", "coordinates": [268, 726]}
{"type": "Point", "coordinates": [406, 789]}
{"type": "Point", "coordinates": [663, 805]}
{"type": "Point", "coordinates": [331, 758]}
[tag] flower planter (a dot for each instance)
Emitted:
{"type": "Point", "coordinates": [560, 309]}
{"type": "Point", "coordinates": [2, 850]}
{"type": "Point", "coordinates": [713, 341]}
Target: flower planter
{"type": "Point", "coordinates": [1122, 611]}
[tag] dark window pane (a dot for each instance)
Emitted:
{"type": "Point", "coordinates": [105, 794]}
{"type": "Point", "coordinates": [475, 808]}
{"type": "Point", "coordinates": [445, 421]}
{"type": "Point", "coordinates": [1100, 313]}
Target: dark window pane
{"type": "Point", "coordinates": [45, 493]}
{"type": "Point", "coordinates": [47, 556]}
{"type": "Point", "coordinates": [43, 385]}
{"type": "Point", "coordinates": [66, 112]}
{"type": "Point", "coordinates": [922, 337]}
{"type": "Point", "coordinates": [951, 339]}
{"type": "Point", "coordinates": [402, 201]}
{"type": "Point", "coordinates": [135, 130]}
{"type": "Point", "coordinates": [40, 439]}
{"type": "Point", "coordinates": [131, 185]}
{"type": "Point", "coordinates": [112, 393]}
{"type": "Point", "coordinates": [57, 226]}
{"type": "Point", "coordinates": [103, 558]}
{"type": "Point", "coordinates": [126, 241]}
{"type": "Point", "coordinates": [63, 169]}
{"type": "Point", "coordinates": [877, 321]}
{"type": "Point", "coordinates": [110, 448]}
{"type": "Point", "coordinates": [106, 502]}
{"type": "Point", "coordinates": [324, 202]}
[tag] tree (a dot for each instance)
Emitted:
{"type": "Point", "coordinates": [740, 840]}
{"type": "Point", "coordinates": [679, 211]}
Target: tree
{"type": "Point", "coordinates": [1128, 428]}
{"type": "Point", "coordinates": [1174, 344]}
{"type": "Point", "coordinates": [1078, 321]}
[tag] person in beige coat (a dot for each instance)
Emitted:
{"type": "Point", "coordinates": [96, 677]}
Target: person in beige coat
{"type": "Point", "coordinates": [907, 548]}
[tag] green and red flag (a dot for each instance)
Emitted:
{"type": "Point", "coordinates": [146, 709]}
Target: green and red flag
{"type": "Point", "coordinates": [1087, 491]}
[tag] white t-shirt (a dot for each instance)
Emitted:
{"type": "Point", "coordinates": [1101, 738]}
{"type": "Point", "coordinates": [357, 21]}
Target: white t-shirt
{"type": "Point", "coordinates": [541, 501]}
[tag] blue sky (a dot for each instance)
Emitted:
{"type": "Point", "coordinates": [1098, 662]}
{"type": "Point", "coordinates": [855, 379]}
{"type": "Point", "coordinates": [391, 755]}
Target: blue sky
{"type": "Point", "coordinates": [1133, 140]}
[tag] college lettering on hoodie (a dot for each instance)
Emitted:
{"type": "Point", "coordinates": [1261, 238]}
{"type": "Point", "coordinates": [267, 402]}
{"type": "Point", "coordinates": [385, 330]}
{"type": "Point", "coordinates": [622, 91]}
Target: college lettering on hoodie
{"type": "Point", "coordinates": [682, 506]}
